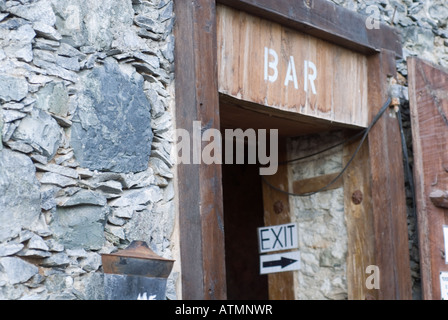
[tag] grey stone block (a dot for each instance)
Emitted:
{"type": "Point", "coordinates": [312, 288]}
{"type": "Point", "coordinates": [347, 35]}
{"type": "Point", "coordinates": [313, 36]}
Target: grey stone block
{"type": "Point", "coordinates": [20, 200]}
{"type": "Point", "coordinates": [17, 43]}
{"type": "Point", "coordinates": [136, 197]}
{"type": "Point", "coordinates": [39, 11]}
{"type": "Point", "coordinates": [80, 226]}
{"type": "Point", "coordinates": [17, 270]}
{"type": "Point", "coordinates": [12, 88]}
{"type": "Point", "coordinates": [8, 249]}
{"type": "Point", "coordinates": [111, 128]}
{"type": "Point", "coordinates": [84, 197]}
{"type": "Point", "coordinates": [39, 130]}
{"type": "Point", "coordinates": [92, 23]}
{"type": "Point", "coordinates": [53, 98]}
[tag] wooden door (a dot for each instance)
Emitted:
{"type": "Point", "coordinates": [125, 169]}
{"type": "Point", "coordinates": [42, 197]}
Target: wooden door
{"type": "Point", "coordinates": [428, 88]}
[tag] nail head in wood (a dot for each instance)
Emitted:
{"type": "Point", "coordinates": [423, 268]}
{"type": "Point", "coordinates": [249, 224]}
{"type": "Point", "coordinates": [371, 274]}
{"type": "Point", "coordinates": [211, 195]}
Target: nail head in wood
{"type": "Point", "coordinates": [278, 207]}
{"type": "Point", "coordinates": [357, 197]}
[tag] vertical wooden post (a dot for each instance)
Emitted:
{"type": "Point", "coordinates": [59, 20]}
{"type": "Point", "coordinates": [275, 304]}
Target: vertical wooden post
{"type": "Point", "coordinates": [281, 285]}
{"type": "Point", "coordinates": [388, 194]}
{"type": "Point", "coordinates": [428, 84]}
{"type": "Point", "coordinates": [359, 219]}
{"type": "Point", "coordinates": [200, 189]}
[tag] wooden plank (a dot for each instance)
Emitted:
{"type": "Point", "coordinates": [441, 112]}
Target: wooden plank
{"type": "Point", "coordinates": [200, 191]}
{"type": "Point", "coordinates": [359, 220]}
{"type": "Point", "coordinates": [234, 114]}
{"type": "Point", "coordinates": [189, 214]}
{"type": "Point", "coordinates": [281, 285]}
{"type": "Point", "coordinates": [428, 87]}
{"type": "Point", "coordinates": [388, 197]}
{"type": "Point", "coordinates": [316, 183]}
{"type": "Point", "coordinates": [324, 20]}
{"type": "Point", "coordinates": [308, 76]}
{"type": "Point", "coordinates": [398, 208]}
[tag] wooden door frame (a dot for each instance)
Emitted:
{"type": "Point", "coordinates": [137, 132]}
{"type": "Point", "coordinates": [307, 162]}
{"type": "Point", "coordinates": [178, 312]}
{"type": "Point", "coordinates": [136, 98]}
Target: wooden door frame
{"type": "Point", "coordinates": [199, 185]}
{"type": "Point", "coordinates": [425, 80]}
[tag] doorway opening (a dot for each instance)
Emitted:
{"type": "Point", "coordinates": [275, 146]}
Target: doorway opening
{"type": "Point", "coordinates": [245, 195]}
{"type": "Point", "coordinates": [243, 214]}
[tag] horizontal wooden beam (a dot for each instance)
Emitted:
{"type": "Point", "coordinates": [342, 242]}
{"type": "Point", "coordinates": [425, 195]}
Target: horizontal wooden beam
{"type": "Point", "coordinates": [316, 183]}
{"type": "Point", "coordinates": [325, 20]}
{"type": "Point", "coordinates": [246, 114]}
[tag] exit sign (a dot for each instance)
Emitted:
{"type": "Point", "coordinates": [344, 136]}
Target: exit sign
{"type": "Point", "coordinates": [277, 238]}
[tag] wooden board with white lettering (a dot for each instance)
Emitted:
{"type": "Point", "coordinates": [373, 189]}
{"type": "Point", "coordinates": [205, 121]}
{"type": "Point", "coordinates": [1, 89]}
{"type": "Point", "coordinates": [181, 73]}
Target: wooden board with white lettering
{"type": "Point", "coordinates": [263, 63]}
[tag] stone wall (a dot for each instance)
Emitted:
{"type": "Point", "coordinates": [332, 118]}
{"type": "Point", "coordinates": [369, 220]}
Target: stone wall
{"type": "Point", "coordinates": [322, 231]}
{"type": "Point", "coordinates": [86, 96]}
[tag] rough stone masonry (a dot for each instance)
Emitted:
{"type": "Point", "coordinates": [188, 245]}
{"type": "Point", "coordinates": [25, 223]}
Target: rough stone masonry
{"type": "Point", "coordinates": [86, 91]}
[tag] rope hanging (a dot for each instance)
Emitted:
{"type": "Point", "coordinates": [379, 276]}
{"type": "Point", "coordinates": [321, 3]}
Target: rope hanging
{"type": "Point", "coordinates": [364, 134]}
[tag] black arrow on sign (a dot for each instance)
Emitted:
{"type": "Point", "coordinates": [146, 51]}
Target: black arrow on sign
{"type": "Point", "coordinates": [283, 262]}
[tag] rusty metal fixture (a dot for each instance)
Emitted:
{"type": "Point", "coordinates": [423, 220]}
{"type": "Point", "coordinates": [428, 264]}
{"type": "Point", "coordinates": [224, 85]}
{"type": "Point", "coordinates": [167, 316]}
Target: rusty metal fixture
{"type": "Point", "coordinates": [278, 207]}
{"type": "Point", "coordinates": [137, 260]}
{"type": "Point", "coordinates": [395, 104]}
{"type": "Point", "coordinates": [357, 197]}
{"type": "Point", "coordinates": [308, 3]}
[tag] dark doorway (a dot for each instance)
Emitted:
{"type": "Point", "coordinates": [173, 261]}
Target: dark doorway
{"type": "Point", "coordinates": [243, 214]}
{"type": "Point", "coordinates": [243, 197]}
